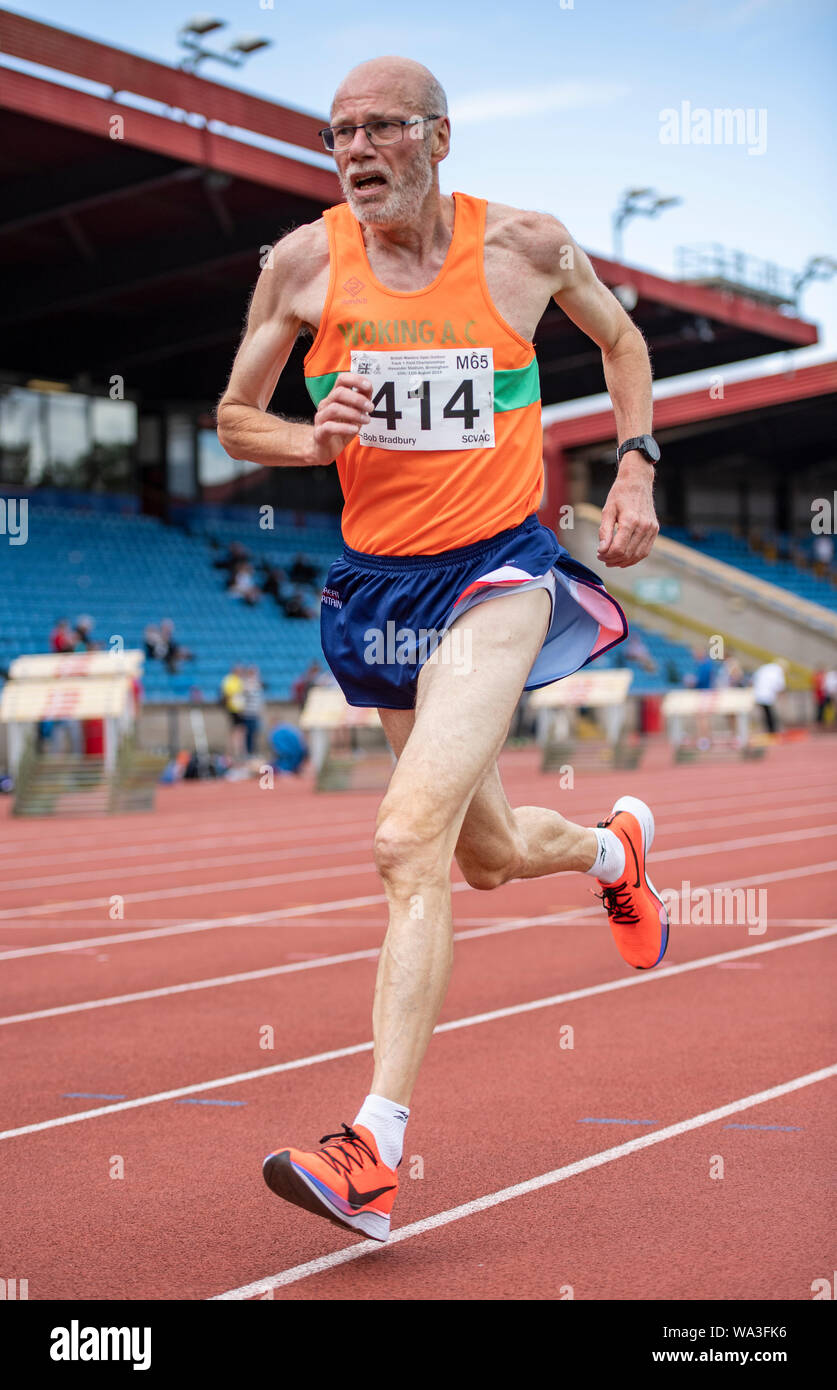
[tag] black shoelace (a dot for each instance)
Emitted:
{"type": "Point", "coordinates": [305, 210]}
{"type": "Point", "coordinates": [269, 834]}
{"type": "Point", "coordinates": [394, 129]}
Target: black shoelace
{"type": "Point", "coordinates": [345, 1142]}
{"type": "Point", "coordinates": [618, 904]}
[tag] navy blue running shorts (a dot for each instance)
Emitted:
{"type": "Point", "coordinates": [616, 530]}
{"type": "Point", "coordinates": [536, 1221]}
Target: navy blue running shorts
{"type": "Point", "coordinates": [383, 616]}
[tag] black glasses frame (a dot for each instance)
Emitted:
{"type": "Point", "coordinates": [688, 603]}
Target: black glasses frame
{"type": "Point", "coordinates": [328, 133]}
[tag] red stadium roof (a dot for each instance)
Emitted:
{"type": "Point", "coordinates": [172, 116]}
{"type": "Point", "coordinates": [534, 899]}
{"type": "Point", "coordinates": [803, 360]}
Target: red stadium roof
{"type": "Point", "coordinates": [136, 255]}
{"type": "Point", "coordinates": [769, 434]}
{"type": "Point", "coordinates": [128, 72]}
{"type": "Point", "coordinates": [754, 393]}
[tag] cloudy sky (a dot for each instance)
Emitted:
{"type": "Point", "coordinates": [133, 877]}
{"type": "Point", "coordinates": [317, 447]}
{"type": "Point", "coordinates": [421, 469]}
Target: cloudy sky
{"type": "Point", "coordinates": [561, 105]}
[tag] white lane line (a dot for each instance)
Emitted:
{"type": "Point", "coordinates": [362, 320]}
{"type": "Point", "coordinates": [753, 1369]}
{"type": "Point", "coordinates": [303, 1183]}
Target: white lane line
{"type": "Point", "coordinates": [275, 834]}
{"type": "Point", "coordinates": [313, 963]}
{"type": "Point", "coordinates": [783, 837]}
{"type": "Point", "coordinates": [199, 839]}
{"type": "Point", "coordinates": [272, 880]}
{"type": "Point", "coordinates": [245, 919]}
{"type": "Point", "coordinates": [522, 1189]}
{"type": "Point", "coordinates": [303, 910]}
{"type": "Point", "coordinates": [497, 927]}
{"type": "Point", "coordinates": [538, 921]}
{"type": "Point", "coordinates": [187, 826]}
{"type": "Point", "coordinates": [193, 890]}
{"type": "Point", "coordinates": [184, 865]}
{"type": "Point", "coordinates": [531, 1006]}
{"type": "Point", "coordinates": [184, 825]}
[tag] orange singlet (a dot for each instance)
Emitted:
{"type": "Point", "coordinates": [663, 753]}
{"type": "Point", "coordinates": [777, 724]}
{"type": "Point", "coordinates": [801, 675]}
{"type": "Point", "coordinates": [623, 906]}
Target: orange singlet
{"type": "Point", "coordinates": [452, 454]}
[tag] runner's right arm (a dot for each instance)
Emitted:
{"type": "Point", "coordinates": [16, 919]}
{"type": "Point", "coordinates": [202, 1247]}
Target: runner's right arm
{"type": "Point", "coordinates": [246, 429]}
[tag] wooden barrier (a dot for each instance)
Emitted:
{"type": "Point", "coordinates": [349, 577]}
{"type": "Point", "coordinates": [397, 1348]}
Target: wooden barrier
{"type": "Point", "coordinates": [331, 722]}
{"type": "Point", "coordinates": [74, 688]}
{"type": "Point", "coordinates": [692, 723]}
{"type": "Point", "coordinates": [557, 720]}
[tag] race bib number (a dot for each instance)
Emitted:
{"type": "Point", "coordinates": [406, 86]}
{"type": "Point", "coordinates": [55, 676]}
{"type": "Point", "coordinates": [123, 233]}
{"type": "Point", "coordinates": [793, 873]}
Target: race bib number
{"type": "Point", "coordinates": [441, 399]}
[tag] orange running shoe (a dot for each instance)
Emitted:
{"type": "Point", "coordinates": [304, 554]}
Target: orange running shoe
{"type": "Point", "coordinates": [346, 1181]}
{"type": "Point", "coordinates": [637, 913]}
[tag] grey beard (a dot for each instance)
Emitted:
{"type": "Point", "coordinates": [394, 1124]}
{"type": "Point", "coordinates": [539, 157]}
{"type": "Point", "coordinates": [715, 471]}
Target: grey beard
{"type": "Point", "coordinates": [403, 202]}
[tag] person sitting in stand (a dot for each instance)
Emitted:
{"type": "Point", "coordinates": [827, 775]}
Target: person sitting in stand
{"type": "Point", "coordinates": [274, 580]}
{"type": "Point", "coordinates": [295, 606]}
{"type": "Point", "coordinates": [236, 554]}
{"type": "Point", "coordinates": [244, 585]}
{"type": "Point", "coordinates": [303, 571]}
{"type": "Point", "coordinates": [83, 635]}
{"type": "Point", "coordinates": [303, 683]}
{"type": "Point", "coordinates": [62, 639]}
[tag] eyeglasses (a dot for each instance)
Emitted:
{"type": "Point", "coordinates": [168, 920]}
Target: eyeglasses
{"type": "Point", "coordinates": [377, 132]}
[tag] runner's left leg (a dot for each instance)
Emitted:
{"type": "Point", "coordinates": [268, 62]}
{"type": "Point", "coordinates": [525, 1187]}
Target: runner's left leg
{"type": "Point", "coordinates": [497, 843]}
{"type": "Point", "coordinates": [461, 720]}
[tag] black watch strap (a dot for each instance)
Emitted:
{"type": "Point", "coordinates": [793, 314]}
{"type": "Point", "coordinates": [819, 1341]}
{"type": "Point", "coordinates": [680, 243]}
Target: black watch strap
{"type": "Point", "coordinates": [644, 444]}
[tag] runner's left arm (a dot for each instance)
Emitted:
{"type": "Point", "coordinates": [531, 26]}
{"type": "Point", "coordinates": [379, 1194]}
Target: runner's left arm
{"type": "Point", "coordinates": [629, 523]}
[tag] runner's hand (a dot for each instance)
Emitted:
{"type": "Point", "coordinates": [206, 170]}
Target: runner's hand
{"type": "Point", "coordinates": [629, 523]}
{"type": "Point", "coordinates": [341, 414]}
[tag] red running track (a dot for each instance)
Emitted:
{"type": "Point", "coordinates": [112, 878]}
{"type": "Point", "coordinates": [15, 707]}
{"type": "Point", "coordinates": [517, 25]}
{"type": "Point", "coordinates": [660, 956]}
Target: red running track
{"type": "Point", "coordinates": [579, 1129]}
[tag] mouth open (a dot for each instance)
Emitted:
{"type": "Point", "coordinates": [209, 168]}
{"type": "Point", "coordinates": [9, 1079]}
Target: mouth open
{"type": "Point", "coordinates": [367, 182]}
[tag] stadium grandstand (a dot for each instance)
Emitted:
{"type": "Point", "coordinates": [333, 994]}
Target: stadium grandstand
{"type": "Point", "coordinates": [214, 868]}
{"type": "Point", "coordinates": [140, 202]}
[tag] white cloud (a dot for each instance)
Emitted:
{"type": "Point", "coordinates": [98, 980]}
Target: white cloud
{"type": "Point", "coordinates": [503, 104]}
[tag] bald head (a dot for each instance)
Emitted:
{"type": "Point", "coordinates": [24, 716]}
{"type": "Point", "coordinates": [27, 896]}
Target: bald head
{"type": "Point", "coordinates": [397, 80]}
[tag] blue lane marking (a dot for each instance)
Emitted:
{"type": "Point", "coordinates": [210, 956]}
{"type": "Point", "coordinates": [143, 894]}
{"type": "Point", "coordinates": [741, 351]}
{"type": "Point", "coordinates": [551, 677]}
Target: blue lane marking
{"type": "Point", "coordinates": [591, 1120]}
{"type": "Point", "coordinates": [90, 1095]}
{"type": "Point", "coordinates": [785, 1128]}
{"type": "Point", "coordinates": [211, 1102]}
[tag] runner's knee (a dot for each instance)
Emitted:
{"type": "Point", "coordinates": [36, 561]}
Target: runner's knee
{"type": "Point", "coordinates": [408, 852]}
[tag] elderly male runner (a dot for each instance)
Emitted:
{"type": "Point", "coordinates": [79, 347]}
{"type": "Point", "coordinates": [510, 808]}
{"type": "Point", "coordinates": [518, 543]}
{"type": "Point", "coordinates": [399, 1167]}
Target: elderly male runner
{"type": "Point", "coordinates": [422, 309]}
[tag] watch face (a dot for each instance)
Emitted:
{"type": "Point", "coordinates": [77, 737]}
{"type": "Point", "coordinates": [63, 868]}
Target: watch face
{"type": "Point", "coordinates": [651, 447]}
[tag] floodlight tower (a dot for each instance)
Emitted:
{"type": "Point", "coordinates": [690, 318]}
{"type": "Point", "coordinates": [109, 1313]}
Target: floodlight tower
{"type": "Point", "coordinates": [191, 34]}
{"type": "Point", "coordinates": [637, 202]}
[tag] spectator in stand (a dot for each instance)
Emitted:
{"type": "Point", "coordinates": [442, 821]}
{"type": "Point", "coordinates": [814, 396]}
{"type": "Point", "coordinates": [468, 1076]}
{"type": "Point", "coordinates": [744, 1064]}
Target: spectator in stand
{"type": "Point", "coordinates": [232, 696]}
{"type": "Point", "coordinates": [274, 580]}
{"type": "Point", "coordinates": [303, 683]}
{"type": "Point", "coordinates": [296, 607]}
{"type": "Point", "coordinates": [706, 671]}
{"type": "Point", "coordinates": [730, 674]}
{"type": "Point", "coordinates": [289, 748]}
{"type": "Point", "coordinates": [704, 677]}
{"type": "Point", "coordinates": [830, 694]}
{"type": "Point", "coordinates": [83, 634]}
{"type": "Point", "coordinates": [253, 706]}
{"type": "Point", "coordinates": [303, 571]}
{"type": "Point", "coordinates": [768, 684]}
{"type": "Point", "coordinates": [62, 638]}
{"type": "Point", "coordinates": [244, 585]}
{"type": "Point", "coordinates": [152, 641]}
{"type": "Point", "coordinates": [820, 697]}
{"type": "Point", "coordinates": [235, 556]}
{"type": "Point", "coordinates": [824, 685]}
{"type": "Point", "coordinates": [161, 646]}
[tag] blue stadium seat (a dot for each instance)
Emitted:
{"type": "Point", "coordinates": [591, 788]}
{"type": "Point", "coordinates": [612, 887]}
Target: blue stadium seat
{"type": "Point", "coordinates": [128, 570]}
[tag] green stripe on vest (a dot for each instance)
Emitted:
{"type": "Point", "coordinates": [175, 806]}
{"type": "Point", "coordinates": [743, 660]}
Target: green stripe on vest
{"type": "Point", "coordinates": [517, 388]}
{"type": "Point", "coordinates": [512, 389]}
{"type": "Point", "coordinates": [319, 386]}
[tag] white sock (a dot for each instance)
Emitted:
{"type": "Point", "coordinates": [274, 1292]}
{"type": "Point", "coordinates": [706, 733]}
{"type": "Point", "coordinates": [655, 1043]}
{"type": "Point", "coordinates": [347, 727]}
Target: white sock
{"type": "Point", "coordinates": [610, 860]}
{"type": "Point", "coordinates": [387, 1122]}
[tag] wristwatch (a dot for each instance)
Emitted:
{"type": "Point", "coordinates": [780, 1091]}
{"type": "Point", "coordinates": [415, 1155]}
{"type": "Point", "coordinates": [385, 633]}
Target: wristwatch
{"type": "Point", "coordinates": [644, 444]}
